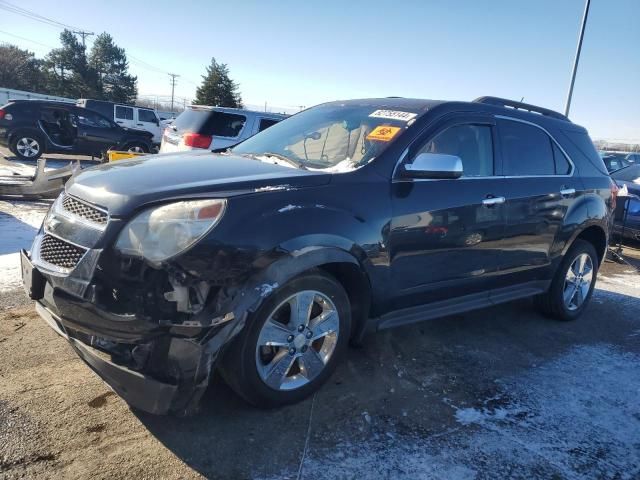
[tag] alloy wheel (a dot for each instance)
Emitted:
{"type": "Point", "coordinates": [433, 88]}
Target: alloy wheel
{"type": "Point", "coordinates": [297, 340]}
{"type": "Point", "coordinates": [28, 147]}
{"type": "Point", "coordinates": [578, 281]}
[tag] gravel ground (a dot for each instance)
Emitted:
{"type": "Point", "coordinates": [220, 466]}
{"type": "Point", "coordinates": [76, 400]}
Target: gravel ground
{"type": "Point", "coordinates": [498, 393]}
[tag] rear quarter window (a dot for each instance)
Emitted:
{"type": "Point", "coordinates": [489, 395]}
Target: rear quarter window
{"type": "Point", "coordinates": [581, 149]}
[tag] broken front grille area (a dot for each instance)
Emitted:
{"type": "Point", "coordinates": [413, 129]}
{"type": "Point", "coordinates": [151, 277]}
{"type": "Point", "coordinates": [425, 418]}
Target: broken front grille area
{"type": "Point", "coordinates": [84, 211]}
{"type": "Point", "coordinates": [60, 253]}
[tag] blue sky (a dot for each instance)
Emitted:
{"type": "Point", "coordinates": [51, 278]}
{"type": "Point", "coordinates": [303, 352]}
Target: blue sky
{"type": "Point", "coordinates": [292, 53]}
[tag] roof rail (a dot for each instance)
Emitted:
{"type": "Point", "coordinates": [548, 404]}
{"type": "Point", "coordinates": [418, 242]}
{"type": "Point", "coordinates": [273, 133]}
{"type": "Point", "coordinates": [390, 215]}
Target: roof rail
{"type": "Point", "coordinates": [503, 102]}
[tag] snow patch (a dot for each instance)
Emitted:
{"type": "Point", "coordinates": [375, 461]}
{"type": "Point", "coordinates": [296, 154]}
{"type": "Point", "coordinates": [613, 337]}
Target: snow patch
{"type": "Point", "coordinates": [19, 223]}
{"type": "Point", "coordinates": [577, 416]}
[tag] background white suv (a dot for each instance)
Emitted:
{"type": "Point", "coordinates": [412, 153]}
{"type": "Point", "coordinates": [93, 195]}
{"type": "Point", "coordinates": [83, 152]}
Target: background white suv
{"type": "Point", "coordinates": [214, 127]}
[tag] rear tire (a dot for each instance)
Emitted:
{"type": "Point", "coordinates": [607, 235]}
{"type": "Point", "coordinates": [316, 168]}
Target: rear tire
{"type": "Point", "coordinates": [274, 360]}
{"type": "Point", "coordinates": [27, 146]}
{"type": "Point", "coordinates": [573, 284]}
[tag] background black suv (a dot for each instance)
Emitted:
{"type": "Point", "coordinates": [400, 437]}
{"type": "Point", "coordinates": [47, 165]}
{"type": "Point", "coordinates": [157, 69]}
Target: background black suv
{"type": "Point", "coordinates": [351, 216]}
{"type": "Point", "coordinates": [33, 127]}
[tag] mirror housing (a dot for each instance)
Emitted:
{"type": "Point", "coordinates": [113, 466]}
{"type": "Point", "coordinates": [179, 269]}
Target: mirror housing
{"type": "Point", "coordinates": [434, 165]}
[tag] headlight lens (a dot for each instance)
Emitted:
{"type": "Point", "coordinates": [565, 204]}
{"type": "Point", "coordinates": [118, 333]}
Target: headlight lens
{"type": "Point", "coordinates": [163, 232]}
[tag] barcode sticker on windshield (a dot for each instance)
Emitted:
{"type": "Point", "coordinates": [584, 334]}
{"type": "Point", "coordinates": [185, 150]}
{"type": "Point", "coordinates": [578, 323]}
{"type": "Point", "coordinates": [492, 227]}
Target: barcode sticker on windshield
{"type": "Point", "coordinates": [394, 115]}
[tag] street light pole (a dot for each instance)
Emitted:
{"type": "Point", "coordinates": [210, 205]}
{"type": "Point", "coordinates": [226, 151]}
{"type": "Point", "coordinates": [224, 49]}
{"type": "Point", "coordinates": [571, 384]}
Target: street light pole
{"type": "Point", "coordinates": [577, 59]}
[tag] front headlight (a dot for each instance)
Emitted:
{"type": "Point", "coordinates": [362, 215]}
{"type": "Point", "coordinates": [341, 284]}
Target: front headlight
{"type": "Point", "coordinates": [163, 232]}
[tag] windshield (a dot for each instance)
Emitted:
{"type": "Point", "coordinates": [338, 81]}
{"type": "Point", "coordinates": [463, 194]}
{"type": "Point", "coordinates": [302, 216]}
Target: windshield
{"type": "Point", "coordinates": [330, 137]}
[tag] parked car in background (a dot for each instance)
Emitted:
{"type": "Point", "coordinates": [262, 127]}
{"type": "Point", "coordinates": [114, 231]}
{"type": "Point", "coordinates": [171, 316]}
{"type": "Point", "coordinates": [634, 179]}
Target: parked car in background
{"type": "Point", "coordinates": [30, 128]}
{"type": "Point", "coordinates": [614, 161]}
{"type": "Point", "coordinates": [633, 157]}
{"type": "Point", "coordinates": [214, 127]}
{"type": "Point", "coordinates": [628, 177]}
{"type": "Point", "coordinates": [127, 116]}
{"type": "Point", "coordinates": [265, 260]}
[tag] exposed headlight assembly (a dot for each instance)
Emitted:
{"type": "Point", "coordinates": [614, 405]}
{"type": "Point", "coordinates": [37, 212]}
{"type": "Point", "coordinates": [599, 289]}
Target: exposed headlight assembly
{"type": "Point", "coordinates": [163, 232]}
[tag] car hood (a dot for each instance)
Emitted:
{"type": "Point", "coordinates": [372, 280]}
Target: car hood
{"type": "Point", "coordinates": [124, 186]}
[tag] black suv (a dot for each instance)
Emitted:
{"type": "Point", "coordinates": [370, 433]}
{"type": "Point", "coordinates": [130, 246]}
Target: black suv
{"type": "Point", "coordinates": [33, 127]}
{"type": "Point", "coordinates": [264, 261]}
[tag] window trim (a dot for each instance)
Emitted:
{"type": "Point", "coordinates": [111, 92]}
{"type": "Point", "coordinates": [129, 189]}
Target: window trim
{"type": "Point", "coordinates": [557, 144]}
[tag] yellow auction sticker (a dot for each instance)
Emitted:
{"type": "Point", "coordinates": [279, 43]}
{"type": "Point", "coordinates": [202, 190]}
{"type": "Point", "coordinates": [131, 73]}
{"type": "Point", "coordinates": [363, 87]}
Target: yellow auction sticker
{"type": "Point", "coordinates": [383, 133]}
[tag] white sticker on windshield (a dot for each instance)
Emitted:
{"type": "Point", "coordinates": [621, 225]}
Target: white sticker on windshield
{"type": "Point", "coordinates": [394, 115]}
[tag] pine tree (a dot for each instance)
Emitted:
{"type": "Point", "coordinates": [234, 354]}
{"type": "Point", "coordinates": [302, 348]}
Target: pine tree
{"type": "Point", "coordinates": [67, 69]}
{"type": "Point", "coordinates": [110, 66]}
{"type": "Point", "coordinates": [218, 89]}
{"type": "Point", "coordinates": [20, 69]}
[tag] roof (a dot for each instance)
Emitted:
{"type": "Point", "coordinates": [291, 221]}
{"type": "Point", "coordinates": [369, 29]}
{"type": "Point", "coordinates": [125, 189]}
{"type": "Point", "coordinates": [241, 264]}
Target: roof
{"type": "Point", "coordinates": [494, 105]}
{"type": "Point", "coordinates": [238, 110]}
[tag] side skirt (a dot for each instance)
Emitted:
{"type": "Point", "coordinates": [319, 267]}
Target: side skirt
{"type": "Point", "coordinates": [457, 305]}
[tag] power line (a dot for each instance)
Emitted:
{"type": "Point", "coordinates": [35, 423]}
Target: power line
{"type": "Point", "coordinates": [26, 39]}
{"type": "Point", "coordinates": [34, 16]}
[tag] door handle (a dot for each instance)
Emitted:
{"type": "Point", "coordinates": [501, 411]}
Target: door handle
{"type": "Point", "coordinates": [491, 201]}
{"type": "Point", "coordinates": [119, 121]}
{"type": "Point", "coordinates": [139, 124]}
{"type": "Point", "coordinates": [567, 192]}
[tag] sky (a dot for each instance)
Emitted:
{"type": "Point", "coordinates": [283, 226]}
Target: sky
{"type": "Point", "coordinates": [291, 54]}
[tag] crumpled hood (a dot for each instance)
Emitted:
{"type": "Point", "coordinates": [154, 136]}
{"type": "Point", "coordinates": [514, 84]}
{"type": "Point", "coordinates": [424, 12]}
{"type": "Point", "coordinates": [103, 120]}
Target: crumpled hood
{"type": "Point", "coordinates": [124, 186]}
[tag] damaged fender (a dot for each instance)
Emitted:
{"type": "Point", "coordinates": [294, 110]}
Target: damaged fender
{"type": "Point", "coordinates": [198, 358]}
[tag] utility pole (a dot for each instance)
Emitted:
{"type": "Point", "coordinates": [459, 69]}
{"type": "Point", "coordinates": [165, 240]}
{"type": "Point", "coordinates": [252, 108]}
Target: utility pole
{"type": "Point", "coordinates": [577, 59]}
{"type": "Point", "coordinates": [173, 86]}
{"type": "Point", "coordinates": [84, 35]}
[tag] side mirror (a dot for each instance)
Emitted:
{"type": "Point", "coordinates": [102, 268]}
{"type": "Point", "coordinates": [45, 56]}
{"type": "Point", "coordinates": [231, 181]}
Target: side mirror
{"type": "Point", "coordinates": [434, 165]}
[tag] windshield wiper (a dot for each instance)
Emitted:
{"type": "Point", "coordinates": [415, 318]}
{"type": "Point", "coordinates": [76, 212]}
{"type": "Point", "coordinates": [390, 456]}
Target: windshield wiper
{"type": "Point", "coordinates": [290, 161]}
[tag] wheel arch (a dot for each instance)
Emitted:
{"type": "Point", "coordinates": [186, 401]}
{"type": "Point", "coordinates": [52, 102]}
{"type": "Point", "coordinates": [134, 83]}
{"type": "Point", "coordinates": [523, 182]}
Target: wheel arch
{"type": "Point", "coordinates": [596, 235]}
{"type": "Point", "coordinates": [341, 264]}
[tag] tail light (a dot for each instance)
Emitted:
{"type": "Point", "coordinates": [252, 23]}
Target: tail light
{"type": "Point", "coordinates": [197, 140]}
{"type": "Point", "coordinates": [2, 113]}
{"type": "Point", "coordinates": [614, 194]}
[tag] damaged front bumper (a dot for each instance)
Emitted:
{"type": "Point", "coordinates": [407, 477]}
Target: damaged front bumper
{"type": "Point", "coordinates": [155, 367]}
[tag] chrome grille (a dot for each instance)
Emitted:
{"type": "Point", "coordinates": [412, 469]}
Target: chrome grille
{"type": "Point", "coordinates": [83, 210]}
{"type": "Point", "coordinates": [60, 253]}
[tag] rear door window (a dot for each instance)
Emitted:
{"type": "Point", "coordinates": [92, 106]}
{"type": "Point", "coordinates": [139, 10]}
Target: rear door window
{"type": "Point", "coordinates": [226, 124]}
{"type": "Point", "coordinates": [210, 122]}
{"type": "Point", "coordinates": [527, 150]}
{"type": "Point", "coordinates": [124, 113]}
{"type": "Point", "coordinates": [266, 123]}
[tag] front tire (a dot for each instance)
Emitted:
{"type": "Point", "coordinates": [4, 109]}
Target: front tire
{"type": "Point", "coordinates": [292, 344]}
{"type": "Point", "coordinates": [27, 146]}
{"type": "Point", "coordinates": [573, 284]}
